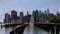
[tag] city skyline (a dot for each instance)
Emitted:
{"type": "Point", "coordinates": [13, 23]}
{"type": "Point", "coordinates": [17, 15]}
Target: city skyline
{"type": "Point", "coordinates": [28, 5]}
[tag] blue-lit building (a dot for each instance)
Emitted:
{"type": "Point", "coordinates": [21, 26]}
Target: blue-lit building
{"type": "Point", "coordinates": [37, 16]}
{"type": "Point", "coordinates": [7, 18]}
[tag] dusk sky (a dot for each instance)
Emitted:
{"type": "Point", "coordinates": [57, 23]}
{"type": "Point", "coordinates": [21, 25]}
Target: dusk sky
{"type": "Point", "coordinates": [28, 5]}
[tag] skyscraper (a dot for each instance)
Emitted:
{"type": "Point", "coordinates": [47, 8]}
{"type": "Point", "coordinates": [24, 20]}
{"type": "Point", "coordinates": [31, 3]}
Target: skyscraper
{"type": "Point", "coordinates": [47, 11]}
{"type": "Point", "coordinates": [27, 13]}
{"type": "Point", "coordinates": [40, 13]}
{"type": "Point", "coordinates": [43, 17]}
{"type": "Point", "coordinates": [21, 17]}
{"type": "Point", "coordinates": [33, 14]}
{"type": "Point", "coordinates": [28, 17]}
{"type": "Point", "coordinates": [37, 16]}
{"type": "Point", "coordinates": [7, 18]}
{"type": "Point", "coordinates": [46, 15]}
{"type": "Point", "coordinates": [13, 16]}
{"type": "Point", "coordinates": [57, 13]}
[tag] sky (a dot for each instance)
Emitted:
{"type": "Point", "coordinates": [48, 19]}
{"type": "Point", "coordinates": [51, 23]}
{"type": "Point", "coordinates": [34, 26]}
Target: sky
{"type": "Point", "coordinates": [6, 6]}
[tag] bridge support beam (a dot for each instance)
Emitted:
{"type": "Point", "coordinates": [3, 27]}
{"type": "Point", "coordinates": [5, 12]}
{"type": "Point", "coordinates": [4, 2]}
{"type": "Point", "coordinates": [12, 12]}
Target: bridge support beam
{"type": "Point", "coordinates": [54, 30]}
{"type": "Point", "coordinates": [57, 31]}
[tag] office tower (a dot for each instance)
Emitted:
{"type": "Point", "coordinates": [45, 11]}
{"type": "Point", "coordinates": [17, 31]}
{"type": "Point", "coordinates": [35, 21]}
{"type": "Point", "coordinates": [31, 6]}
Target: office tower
{"type": "Point", "coordinates": [7, 18]}
{"type": "Point", "coordinates": [18, 20]}
{"type": "Point", "coordinates": [37, 16]}
{"type": "Point", "coordinates": [21, 17]}
{"type": "Point", "coordinates": [46, 15]}
{"type": "Point", "coordinates": [13, 16]}
{"type": "Point", "coordinates": [28, 17]}
{"type": "Point", "coordinates": [27, 13]}
{"type": "Point", "coordinates": [40, 19]}
{"type": "Point", "coordinates": [40, 13]}
{"type": "Point", "coordinates": [33, 14]}
{"type": "Point", "coordinates": [43, 17]}
{"type": "Point", "coordinates": [57, 13]}
{"type": "Point", "coordinates": [47, 11]}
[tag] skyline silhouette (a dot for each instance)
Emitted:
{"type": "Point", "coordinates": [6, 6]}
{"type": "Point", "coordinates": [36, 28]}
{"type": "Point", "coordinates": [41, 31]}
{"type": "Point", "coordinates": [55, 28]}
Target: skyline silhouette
{"type": "Point", "coordinates": [28, 5]}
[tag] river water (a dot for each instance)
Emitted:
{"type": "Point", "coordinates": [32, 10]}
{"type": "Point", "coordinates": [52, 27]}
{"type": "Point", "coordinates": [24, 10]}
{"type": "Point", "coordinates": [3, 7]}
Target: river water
{"type": "Point", "coordinates": [27, 30]}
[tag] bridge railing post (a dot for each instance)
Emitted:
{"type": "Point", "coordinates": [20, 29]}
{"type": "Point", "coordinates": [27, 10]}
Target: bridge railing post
{"type": "Point", "coordinates": [57, 30]}
{"type": "Point", "coordinates": [54, 29]}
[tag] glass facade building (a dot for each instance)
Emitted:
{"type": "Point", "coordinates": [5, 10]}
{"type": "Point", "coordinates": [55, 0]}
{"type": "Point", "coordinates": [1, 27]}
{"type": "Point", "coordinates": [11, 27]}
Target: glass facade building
{"type": "Point", "coordinates": [37, 16]}
{"type": "Point", "coordinates": [7, 18]}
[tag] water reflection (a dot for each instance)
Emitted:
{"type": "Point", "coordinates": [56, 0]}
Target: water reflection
{"type": "Point", "coordinates": [28, 30]}
{"type": "Point", "coordinates": [2, 31]}
{"type": "Point", "coordinates": [7, 30]}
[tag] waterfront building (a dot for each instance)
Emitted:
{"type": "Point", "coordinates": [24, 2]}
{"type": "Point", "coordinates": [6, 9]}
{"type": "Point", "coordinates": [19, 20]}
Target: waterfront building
{"type": "Point", "coordinates": [43, 17]}
{"type": "Point", "coordinates": [7, 18]}
{"type": "Point", "coordinates": [13, 21]}
{"type": "Point", "coordinates": [27, 13]}
{"type": "Point", "coordinates": [40, 20]}
{"type": "Point", "coordinates": [51, 16]}
{"type": "Point", "coordinates": [40, 13]}
{"type": "Point", "coordinates": [47, 11]}
{"type": "Point", "coordinates": [26, 19]}
{"type": "Point", "coordinates": [18, 20]}
{"type": "Point", "coordinates": [33, 14]}
{"type": "Point", "coordinates": [37, 16]}
{"type": "Point", "coordinates": [21, 17]}
{"type": "Point", "coordinates": [58, 14]}
{"type": "Point", "coordinates": [13, 16]}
